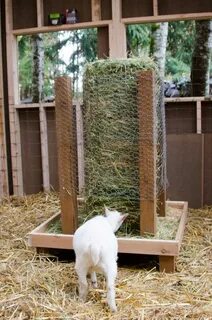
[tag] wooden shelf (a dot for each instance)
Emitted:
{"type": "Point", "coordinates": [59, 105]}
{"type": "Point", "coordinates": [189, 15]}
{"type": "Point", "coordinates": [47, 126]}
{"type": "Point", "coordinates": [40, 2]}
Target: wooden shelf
{"type": "Point", "coordinates": [163, 18]}
{"type": "Point", "coordinates": [63, 27]}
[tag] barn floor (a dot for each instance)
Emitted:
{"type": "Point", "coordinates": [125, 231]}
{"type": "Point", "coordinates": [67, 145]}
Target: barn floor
{"type": "Point", "coordinates": [40, 287]}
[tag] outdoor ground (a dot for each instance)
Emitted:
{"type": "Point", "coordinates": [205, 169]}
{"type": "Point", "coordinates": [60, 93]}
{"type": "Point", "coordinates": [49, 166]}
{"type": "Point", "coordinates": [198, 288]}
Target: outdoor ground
{"type": "Point", "coordinates": [35, 286]}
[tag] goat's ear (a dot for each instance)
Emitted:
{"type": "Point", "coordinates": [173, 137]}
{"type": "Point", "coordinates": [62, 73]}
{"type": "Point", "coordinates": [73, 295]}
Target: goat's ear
{"type": "Point", "coordinates": [124, 216]}
{"type": "Point", "coordinates": [107, 211]}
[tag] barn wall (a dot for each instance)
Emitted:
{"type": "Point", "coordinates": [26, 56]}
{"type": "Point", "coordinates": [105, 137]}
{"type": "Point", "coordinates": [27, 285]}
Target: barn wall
{"type": "Point", "coordinates": [189, 154]}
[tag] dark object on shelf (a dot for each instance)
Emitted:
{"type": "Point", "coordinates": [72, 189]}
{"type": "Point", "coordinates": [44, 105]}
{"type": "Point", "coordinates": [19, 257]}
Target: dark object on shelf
{"type": "Point", "coordinates": [71, 15]}
{"type": "Point", "coordinates": [56, 19]}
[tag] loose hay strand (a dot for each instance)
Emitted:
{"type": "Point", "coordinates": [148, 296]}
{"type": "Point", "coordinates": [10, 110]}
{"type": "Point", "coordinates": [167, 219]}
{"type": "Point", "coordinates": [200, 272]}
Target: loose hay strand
{"type": "Point", "coordinates": [37, 286]}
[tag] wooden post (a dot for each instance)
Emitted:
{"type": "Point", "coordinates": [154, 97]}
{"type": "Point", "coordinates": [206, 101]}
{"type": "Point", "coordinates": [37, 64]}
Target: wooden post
{"type": "Point", "coordinates": [161, 203]}
{"type": "Point", "coordinates": [4, 190]}
{"type": "Point", "coordinates": [80, 147]}
{"type": "Point", "coordinates": [66, 153]}
{"type": "Point", "coordinates": [117, 32]}
{"type": "Point", "coordinates": [39, 13]}
{"type": "Point", "coordinates": [147, 151]}
{"type": "Point", "coordinates": [96, 10]}
{"type": "Point", "coordinates": [12, 72]}
{"type": "Point", "coordinates": [167, 263]}
{"type": "Point", "coordinates": [44, 148]}
{"type": "Point", "coordinates": [155, 8]}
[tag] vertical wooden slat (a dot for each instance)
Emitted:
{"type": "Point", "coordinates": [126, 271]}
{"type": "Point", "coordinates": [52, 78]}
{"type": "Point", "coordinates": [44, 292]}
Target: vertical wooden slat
{"type": "Point", "coordinates": [44, 149]}
{"type": "Point", "coordinates": [3, 163]}
{"type": "Point", "coordinates": [12, 73]}
{"type": "Point", "coordinates": [117, 33]}
{"type": "Point", "coordinates": [40, 21]}
{"type": "Point", "coordinates": [155, 8]}
{"type": "Point", "coordinates": [66, 153]}
{"type": "Point", "coordinates": [96, 10]}
{"type": "Point", "coordinates": [161, 204]}
{"type": "Point", "coordinates": [199, 116]}
{"type": "Point", "coordinates": [147, 151]}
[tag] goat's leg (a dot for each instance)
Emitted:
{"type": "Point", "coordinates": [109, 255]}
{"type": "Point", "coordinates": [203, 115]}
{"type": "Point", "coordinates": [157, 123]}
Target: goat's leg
{"type": "Point", "coordinates": [111, 276]}
{"type": "Point", "coordinates": [82, 278]}
{"type": "Point", "coordinates": [93, 279]}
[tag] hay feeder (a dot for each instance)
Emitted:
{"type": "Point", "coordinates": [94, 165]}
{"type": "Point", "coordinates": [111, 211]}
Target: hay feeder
{"type": "Point", "coordinates": [149, 181]}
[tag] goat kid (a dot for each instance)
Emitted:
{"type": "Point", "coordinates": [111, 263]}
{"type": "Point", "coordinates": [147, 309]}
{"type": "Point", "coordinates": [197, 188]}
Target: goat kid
{"type": "Point", "coordinates": [96, 249]}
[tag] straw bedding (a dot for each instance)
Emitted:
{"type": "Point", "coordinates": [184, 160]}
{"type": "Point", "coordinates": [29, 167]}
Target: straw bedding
{"type": "Point", "coordinates": [40, 287]}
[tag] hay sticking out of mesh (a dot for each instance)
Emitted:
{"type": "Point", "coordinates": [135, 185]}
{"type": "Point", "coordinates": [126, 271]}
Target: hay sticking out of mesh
{"type": "Point", "coordinates": [39, 287]}
{"type": "Point", "coordinates": [111, 135]}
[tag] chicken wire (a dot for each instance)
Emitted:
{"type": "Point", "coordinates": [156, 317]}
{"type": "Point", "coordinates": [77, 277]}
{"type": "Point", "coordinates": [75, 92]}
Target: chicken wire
{"type": "Point", "coordinates": [111, 135]}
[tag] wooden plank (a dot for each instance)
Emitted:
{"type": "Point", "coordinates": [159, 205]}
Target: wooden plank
{"type": "Point", "coordinates": [66, 143]}
{"type": "Point", "coordinates": [13, 95]}
{"type": "Point", "coordinates": [4, 190]}
{"type": "Point", "coordinates": [147, 151]}
{"type": "Point", "coordinates": [75, 26]}
{"type": "Point", "coordinates": [161, 204]}
{"type": "Point", "coordinates": [44, 149]}
{"type": "Point", "coordinates": [187, 99]}
{"type": "Point", "coordinates": [96, 10]}
{"type": "Point", "coordinates": [128, 245]}
{"type": "Point", "coordinates": [199, 116]}
{"type": "Point", "coordinates": [44, 226]}
{"type": "Point", "coordinates": [155, 8]}
{"type": "Point", "coordinates": [118, 48]}
{"type": "Point", "coordinates": [184, 168]}
{"type": "Point", "coordinates": [40, 20]}
{"type": "Point", "coordinates": [167, 263]}
{"type": "Point", "coordinates": [182, 224]}
{"type": "Point", "coordinates": [103, 43]}
{"type": "Point", "coordinates": [207, 169]}
{"type": "Point", "coordinates": [167, 18]}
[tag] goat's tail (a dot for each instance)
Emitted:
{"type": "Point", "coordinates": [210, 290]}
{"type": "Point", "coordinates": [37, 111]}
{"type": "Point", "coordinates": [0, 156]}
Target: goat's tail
{"type": "Point", "coordinates": [94, 253]}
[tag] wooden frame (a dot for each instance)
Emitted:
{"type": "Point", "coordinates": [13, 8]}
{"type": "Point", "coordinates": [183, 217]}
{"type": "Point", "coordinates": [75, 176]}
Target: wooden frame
{"type": "Point", "coordinates": [40, 238]}
{"type": "Point", "coordinates": [147, 151]}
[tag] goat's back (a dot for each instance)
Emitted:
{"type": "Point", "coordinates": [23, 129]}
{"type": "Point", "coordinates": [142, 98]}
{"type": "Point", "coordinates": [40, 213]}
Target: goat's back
{"type": "Point", "coordinates": [95, 240]}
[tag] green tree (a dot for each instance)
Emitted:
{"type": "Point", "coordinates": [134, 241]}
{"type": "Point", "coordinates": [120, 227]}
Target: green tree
{"type": "Point", "coordinates": [201, 59]}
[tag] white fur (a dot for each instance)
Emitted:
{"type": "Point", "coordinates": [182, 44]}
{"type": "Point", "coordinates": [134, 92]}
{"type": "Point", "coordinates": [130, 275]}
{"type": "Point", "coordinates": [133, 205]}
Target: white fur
{"type": "Point", "coordinates": [96, 249]}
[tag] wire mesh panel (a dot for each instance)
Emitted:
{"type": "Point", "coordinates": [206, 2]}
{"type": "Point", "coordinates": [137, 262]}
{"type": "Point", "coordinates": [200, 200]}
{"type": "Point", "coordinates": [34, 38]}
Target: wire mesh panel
{"type": "Point", "coordinates": [111, 132]}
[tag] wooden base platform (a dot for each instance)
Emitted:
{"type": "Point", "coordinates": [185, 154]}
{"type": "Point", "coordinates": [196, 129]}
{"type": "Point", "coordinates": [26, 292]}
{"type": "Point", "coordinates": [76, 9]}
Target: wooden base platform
{"type": "Point", "coordinates": [167, 250]}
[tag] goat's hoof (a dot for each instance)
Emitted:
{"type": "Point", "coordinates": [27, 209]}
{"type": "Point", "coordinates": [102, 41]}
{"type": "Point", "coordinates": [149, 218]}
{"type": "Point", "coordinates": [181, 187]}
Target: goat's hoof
{"type": "Point", "coordinates": [113, 308]}
{"type": "Point", "coordinates": [94, 284]}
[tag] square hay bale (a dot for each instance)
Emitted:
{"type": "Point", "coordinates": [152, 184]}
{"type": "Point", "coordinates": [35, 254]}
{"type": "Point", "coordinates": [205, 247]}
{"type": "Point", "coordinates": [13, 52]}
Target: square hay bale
{"type": "Point", "coordinates": [111, 131]}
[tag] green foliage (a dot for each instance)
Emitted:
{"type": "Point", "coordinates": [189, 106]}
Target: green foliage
{"type": "Point", "coordinates": [176, 68]}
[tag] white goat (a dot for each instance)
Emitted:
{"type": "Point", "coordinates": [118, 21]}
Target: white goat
{"type": "Point", "coordinates": [96, 249]}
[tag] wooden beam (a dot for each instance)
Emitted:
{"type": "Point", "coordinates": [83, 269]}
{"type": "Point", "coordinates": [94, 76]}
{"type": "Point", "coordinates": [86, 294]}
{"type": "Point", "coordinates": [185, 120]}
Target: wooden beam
{"type": "Point", "coordinates": [96, 10]}
{"type": "Point", "coordinates": [40, 13]}
{"type": "Point", "coordinates": [167, 263]}
{"type": "Point", "coordinates": [167, 18]}
{"type": "Point", "coordinates": [117, 32]}
{"type": "Point", "coordinates": [75, 26]}
{"type": "Point", "coordinates": [66, 144]}
{"type": "Point", "coordinates": [80, 147]}
{"type": "Point", "coordinates": [44, 149]}
{"type": "Point", "coordinates": [147, 151]}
